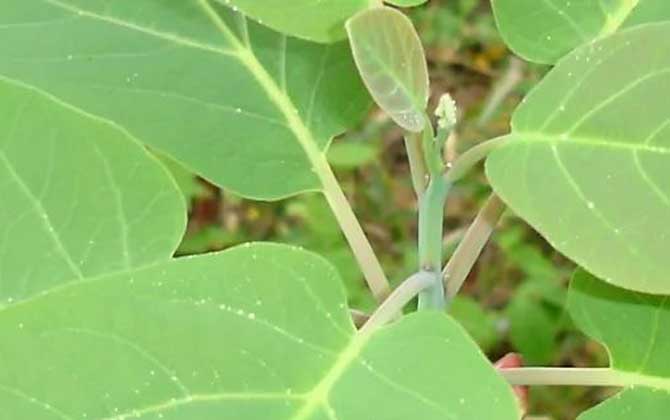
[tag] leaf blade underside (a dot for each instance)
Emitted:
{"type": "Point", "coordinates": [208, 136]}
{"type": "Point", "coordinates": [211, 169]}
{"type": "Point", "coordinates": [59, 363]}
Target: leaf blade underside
{"type": "Point", "coordinates": [391, 60]}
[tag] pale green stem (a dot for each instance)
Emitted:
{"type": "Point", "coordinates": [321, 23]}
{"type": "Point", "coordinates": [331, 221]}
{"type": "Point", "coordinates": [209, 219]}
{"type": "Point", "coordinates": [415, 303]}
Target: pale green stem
{"type": "Point", "coordinates": [360, 246]}
{"type": "Point", "coordinates": [576, 377]}
{"type": "Point", "coordinates": [469, 159]}
{"type": "Point", "coordinates": [464, 258]}
{"type": "Point", "coordinates": [417, 164]}
{"type": "Point", "coordinates": [431, 229]}
{"type": "Point", "coordinates": [432, 150]}
{"type": "Point", "coordinates": [400, 297]}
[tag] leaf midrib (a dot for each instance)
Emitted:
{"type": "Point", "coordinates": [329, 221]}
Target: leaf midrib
{"type": "Point", "coordinates": [560, 139]}
{"type": "Point", "coordinates": [614, 21]}
{"type": "Point", "coordinates": [246, 56]}
{"type": "Point", "coordinates": [317, 397]}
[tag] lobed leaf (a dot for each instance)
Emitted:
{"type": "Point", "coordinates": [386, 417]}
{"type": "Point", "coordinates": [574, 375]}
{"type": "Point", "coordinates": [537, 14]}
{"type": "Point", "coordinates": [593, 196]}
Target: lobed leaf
{"type": "Point", "coordinates": [635, 328]}
{"type": "Point", "coordinates": [248, 108]}
{"type": "Point", "coordinates": [543, 31]}
{"type": "Point", "coordinates": [587, 160]}
{"type": "Point", "coordinates": [98, 322]}
{"type": "Point", "coordinates": [392, 62]}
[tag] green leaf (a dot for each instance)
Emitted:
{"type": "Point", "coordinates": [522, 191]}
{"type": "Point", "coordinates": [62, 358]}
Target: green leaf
{"type": "Point", "coordinates": [544, 31]}
{"type": "Point", "coordinates": [352, 154]}
{"type": "Point", "coordinates": [186, 180]}
{"type": "Point", "coordinates": [635, 328]}
{"type": "Point", "coordinates": [98, 322]}
{"type": "Point", "coordinates": [479, 323]}
{"type": "Point", "coordinates": [390, 57]}
{"type": "Point", "coordinates": [533, 329]}
{"type": "Point", "coordinates": [246, 107]}
{"type": "Point", "coordinates": [587, 160]}
{"type": "Point", "coordinates": [641, 403]}
{"type": "Point", "coordinates": [314, 20]}
{"type": "Point", "coordinates": [116, 208]}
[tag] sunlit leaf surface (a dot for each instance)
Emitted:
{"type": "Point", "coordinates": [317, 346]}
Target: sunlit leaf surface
{"type": "Point", "coordinates": [99, 322]}
{"type": "Point", "coordinates": [545, 30]}
{"type": "Point", "coordinates": [246, 107]}
{"type": "Point", "coordinates": [588, 159]}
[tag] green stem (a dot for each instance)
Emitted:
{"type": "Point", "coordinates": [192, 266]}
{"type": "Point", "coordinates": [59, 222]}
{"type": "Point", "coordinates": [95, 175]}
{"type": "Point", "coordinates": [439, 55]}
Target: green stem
{"type": "Point", "coordinates": [469, 159]}
{"type": "Point", "coordinates": [464, 258]}
{"type": "Point", "coordinates": [581, 377]}
{"type": "Point", "coordinates": [417, 163]}
{"type": "Point", "coordinates": [431, 217]}
{"type": "Point", "coordinates": [432, 151]}
{"type": "Point", "coordinates": [402, 295]}
{"type": "Point", "coordinates": [362, 250]}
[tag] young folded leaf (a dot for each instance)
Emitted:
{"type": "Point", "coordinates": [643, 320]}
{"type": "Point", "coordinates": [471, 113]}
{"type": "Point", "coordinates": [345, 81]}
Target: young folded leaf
{"type": "Point", "coordinates": [245, 107]}
{"type": "Point", "coordinates": [391, 60]}
{"type": "Point", "coordinates": [98, 321]}
{"type": "Point", "coordinates": [588, 159]}
{"type": "Point", "coordinates": [543, 31]}
{"type": "Point", "coordinates": [635, 328]}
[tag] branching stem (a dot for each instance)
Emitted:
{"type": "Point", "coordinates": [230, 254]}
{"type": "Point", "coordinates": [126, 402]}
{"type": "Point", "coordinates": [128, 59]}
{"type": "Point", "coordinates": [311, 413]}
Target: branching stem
{"type": "Point", "coordinates": [431, 219]}
{"type": "Point", "coordinates": [469, 159]}
{"type": "Point", "coordinates": [402, 295]}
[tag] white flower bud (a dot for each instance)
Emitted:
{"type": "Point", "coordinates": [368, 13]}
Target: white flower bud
{"type": "Point", "coordinates": [446, 112]}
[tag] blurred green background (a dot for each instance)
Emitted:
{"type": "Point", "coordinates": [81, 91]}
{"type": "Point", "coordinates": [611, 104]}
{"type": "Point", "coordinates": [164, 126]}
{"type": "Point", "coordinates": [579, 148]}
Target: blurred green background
{"type": "Point", "coordinates": [513, 299]}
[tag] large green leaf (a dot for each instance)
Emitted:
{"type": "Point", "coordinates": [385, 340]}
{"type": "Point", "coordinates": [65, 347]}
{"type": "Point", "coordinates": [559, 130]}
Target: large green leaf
{"type": "Point", "coordinates": [315, 20]}
{"type": "Point", "coordinates": [61, 222]}
{"type": "Point", "coordinates": [244, 106]}
{"type": "Point", "coordinates": [545, 30]}
{"type": "Point", "coordinates": [588, 159]}
{"type": "Point", "coordinates": [98, 322]}
{"type": "Point", "coordinates": [391, 60]}
{"type": "Point", "coordinates": [635, 328]}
